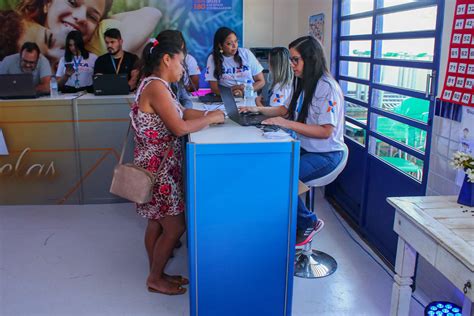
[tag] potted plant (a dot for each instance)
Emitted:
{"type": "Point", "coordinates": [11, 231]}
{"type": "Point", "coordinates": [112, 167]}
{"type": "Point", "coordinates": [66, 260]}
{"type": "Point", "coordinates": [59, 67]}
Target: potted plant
{"type": "Point", "coordinates": [465, 162]}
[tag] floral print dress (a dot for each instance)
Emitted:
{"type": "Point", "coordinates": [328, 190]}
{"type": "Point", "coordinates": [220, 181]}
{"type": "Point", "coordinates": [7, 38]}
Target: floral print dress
{"type": "Point", "coordinates": [152, 141]}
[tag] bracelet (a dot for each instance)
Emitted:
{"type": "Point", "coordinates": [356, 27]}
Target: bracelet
{"type": "Point", "coordinates": [205, 113]}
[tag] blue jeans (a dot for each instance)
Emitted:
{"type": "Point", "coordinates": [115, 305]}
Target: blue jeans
{"type": "Point", "coordinates": [313, 166]}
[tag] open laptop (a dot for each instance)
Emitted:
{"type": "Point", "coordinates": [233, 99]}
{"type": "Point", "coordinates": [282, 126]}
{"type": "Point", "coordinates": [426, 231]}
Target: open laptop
{"type": "Point", "coordinates": [110, 84]}
{"type": "Point", "coordinates": [244, 119]}
{"type": "Point", "coordinates": [18, 86]}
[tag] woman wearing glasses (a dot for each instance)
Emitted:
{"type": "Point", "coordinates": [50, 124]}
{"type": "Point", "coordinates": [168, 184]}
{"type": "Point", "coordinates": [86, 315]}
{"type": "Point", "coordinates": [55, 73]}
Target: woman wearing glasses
{"type": "Point", "coordinates": [316, 115]}
{"type": "Point", "coordinates": [232, 66]}
{"type": "Point", "coordinates": [76, 68]}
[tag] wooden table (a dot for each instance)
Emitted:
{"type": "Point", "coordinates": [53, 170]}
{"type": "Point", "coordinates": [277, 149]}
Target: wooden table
{"type": "Point", "coordinates": [442, 232]}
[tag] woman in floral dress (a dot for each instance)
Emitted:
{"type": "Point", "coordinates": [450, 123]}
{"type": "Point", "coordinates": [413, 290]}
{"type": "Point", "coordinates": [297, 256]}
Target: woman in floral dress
{"type": "Point", "coordinates": [159, 121]}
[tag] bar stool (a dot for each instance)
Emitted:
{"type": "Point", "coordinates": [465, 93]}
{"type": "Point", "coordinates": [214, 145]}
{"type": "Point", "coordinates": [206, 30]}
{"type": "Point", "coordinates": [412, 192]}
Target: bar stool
{"type": "Point", "coordinates": [311, 263]}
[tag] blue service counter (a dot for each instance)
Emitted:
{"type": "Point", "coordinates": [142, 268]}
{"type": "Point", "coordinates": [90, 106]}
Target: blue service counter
{"type": "Point", "coordinates": [241, 196]}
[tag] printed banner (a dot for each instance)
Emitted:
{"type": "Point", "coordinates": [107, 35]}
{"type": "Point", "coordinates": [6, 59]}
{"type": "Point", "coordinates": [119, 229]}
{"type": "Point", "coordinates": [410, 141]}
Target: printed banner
{"type": "Point", "coordinates": [48, 22]}
{"type": "Point", "coordinates": [459, 81]}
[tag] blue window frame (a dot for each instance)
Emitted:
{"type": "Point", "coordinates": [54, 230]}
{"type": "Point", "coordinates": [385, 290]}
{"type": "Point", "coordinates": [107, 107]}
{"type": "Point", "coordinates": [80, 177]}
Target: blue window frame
{"type": "Point", "coordinates": [389, 95]}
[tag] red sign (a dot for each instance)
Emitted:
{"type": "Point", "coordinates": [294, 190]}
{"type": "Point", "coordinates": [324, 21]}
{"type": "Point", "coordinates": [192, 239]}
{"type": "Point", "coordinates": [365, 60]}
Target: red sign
{"type": "Point", "coordinates": [459, 81]}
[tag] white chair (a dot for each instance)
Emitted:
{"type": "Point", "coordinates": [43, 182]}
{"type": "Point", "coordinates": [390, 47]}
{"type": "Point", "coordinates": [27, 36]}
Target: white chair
{"type": "Point", "coordinates": [311, 263]}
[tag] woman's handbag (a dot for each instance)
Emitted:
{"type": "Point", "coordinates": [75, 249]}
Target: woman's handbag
{"type": "Point", "coordinates": [132, 182]}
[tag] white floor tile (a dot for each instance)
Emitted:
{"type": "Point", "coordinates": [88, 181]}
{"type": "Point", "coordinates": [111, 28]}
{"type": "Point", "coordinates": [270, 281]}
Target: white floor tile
{"type": "Point", "coordinates": [90, 260]}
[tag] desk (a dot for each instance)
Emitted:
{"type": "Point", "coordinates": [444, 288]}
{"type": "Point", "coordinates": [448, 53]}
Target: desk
{"type": "Point", "coordinates": [62, 150]}
{"type": "Point", "coordinates": [442, 232]}
{"type": "Point", "coordinates": [241, 198]}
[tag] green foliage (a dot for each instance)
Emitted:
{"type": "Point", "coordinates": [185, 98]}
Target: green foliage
{"type": "Point", "coordinates": [8, 4]}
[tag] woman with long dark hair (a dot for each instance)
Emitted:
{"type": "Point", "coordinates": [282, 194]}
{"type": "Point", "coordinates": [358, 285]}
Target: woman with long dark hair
{"type": "Point", "coordinates": [76, 68]}
{"type": "Point", "coordinates": [232, 66]}
{"type": "Point", "coordinates": [159, 122]}
{"type": "Point", "coordinates": [316, 115]}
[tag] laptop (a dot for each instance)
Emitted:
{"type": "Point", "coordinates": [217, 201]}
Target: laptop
{"type": "Point", "coordinates": [110, 84]}
{"type": "Point", "coordinates": [18, 86]}
{"type": "Point", "coordinates": [244, 119]}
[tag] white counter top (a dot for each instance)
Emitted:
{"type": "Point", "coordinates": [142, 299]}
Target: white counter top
{"type": "Point", "coordinates": [232, 133]}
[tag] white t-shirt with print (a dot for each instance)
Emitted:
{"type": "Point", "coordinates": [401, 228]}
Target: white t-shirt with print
{"type": "Point", "coordinates": [192, 67]}
{"type": "Point", "coordinates": [326, 107]}
{"type": "Point", "coordinates": [232, 73]}
{"type": "Point", "coordinates": [280, 95]}
{"type": "Point", "coordinates": [84, 72]}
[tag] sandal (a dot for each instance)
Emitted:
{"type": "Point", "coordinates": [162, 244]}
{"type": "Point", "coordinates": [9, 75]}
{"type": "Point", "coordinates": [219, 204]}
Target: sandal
{"type": "Point", "coordinates": [177, 279]}
{"type": "Point", "coordinates": [180, 291]}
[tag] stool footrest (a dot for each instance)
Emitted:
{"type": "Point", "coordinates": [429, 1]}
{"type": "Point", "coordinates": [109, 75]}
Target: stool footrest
{"type": "Point", "coordinates": [314, 264]}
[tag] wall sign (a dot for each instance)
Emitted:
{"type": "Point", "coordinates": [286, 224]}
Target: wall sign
{"type": "Point", "coordinates": [459, 81]}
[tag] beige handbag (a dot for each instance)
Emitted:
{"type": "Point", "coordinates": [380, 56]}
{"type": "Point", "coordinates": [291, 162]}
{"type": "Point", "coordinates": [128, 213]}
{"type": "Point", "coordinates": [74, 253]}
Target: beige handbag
{"type": "Point", "coordinates": [132, 182]}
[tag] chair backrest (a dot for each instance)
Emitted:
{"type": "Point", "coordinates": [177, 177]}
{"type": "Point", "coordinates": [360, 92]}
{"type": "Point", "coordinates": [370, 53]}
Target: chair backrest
{"type": "Point", "coordinates": [320, 182]}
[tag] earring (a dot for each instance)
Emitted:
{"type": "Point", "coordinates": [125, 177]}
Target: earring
{"type": "Point", "coordinates": [221, 51]}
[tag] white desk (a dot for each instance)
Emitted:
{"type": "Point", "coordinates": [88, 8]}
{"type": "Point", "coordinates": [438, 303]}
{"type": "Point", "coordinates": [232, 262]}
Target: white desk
{"type": "Point", "coordinates": [442, 232]}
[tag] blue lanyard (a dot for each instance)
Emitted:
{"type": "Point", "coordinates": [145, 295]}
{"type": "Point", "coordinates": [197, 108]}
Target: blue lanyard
{"type": "Point", "coordinates": [115, 66]}
{"type": "Point", "coordinates": [300, 105]}
{"type": "Point", "coordinates": [298, 109]}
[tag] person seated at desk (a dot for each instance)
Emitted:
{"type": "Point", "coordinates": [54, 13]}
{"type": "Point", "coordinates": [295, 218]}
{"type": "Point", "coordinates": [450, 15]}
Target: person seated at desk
{"type": "Point", "coordinates": [316, 115]}
{"type": "Point", "coordinates": [159, 122]}
{"type": "Point", "coordinates": [76, 68]}
{"type": "Point", "coordinates": [232, 66]}
{"type": "Point", "coordinates": [281, 73]}
{"type": "Point", "coordinates": [117, 61]}
{"type": "Point", "coordinates": [29, 60]}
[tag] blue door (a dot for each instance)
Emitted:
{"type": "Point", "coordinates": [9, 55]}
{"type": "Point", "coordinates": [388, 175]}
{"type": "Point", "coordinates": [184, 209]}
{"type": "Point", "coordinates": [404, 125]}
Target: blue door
{"type": "Point", "coordinates": [387, 68]}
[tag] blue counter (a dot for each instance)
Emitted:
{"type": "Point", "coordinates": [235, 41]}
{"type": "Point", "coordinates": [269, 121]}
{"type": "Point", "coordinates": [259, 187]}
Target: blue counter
{"type": "Point", "coordinates": [241, 195]}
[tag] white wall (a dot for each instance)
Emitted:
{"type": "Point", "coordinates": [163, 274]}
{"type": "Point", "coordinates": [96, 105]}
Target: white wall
{"type": "Point", "coordinates": [269, 23]}
{"type": "Point", "coordinates": [308, 8]}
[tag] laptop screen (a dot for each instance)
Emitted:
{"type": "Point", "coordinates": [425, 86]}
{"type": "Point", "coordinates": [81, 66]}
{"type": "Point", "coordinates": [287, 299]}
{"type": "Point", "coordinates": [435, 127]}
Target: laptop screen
{"type": "Point", "coordinates": [229, 103]}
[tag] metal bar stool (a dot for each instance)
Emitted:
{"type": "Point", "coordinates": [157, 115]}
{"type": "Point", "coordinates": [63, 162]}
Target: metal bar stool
{"type": "Point", "coordinates": [311, 263]}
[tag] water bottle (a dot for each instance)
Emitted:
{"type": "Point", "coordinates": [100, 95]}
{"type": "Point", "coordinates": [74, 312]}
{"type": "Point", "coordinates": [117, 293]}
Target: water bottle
{"type": "Point", "coordinates": [53, 87]}
{"type": "Point", "coordinates": [248, 91]}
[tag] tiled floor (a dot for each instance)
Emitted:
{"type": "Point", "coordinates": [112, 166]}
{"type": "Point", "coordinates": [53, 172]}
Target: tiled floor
{"type": "Point", "coordinates": [90, 260]}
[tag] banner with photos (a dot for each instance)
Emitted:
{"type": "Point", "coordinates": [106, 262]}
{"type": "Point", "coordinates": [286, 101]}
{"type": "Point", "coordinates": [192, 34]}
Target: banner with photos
{"type": "Point", "coordinates": [459, 81]}
{"type": "Point", "coordinates": [47, 22]}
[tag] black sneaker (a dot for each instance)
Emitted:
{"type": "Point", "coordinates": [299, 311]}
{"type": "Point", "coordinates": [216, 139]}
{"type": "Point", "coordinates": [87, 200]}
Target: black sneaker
{"type": "Point", "coordinates": [305, 236]}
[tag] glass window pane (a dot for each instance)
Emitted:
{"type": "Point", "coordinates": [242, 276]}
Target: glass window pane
{"type": "Point", "coordinates": [355, 90]}
{"type": "Point", "coordinates": [356, 112]}
{"type": "Point", "coordinates": [355, 48]}
{"type": "Point", "coordinates": [414, 108]}
{"type": "Point", "coordinates": [397, 158]}
{"type": "Point", "coordinates": [391, 3]}
{"type": "Point", "coordinates": [354, 69]}
{"type": "Point", "coordinates": [356, 26]}
{"type": "Point", "coordinates": [402, 77]}
{"type": "Point", "coordinates": [420, 20]}
{"type": "Point", "coordinates": [356, 6]}
{"type": "Point", "coordinates": [355, 132]}
{"type": "Point", "coordinates": [400, 132]}
{"type": "Point", "coordinates": [419, 49]}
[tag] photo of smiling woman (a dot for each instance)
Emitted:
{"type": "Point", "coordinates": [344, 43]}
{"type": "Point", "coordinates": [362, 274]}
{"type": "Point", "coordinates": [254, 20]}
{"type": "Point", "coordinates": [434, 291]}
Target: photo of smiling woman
{"type": "Point", "coordinates": [56, 18]}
